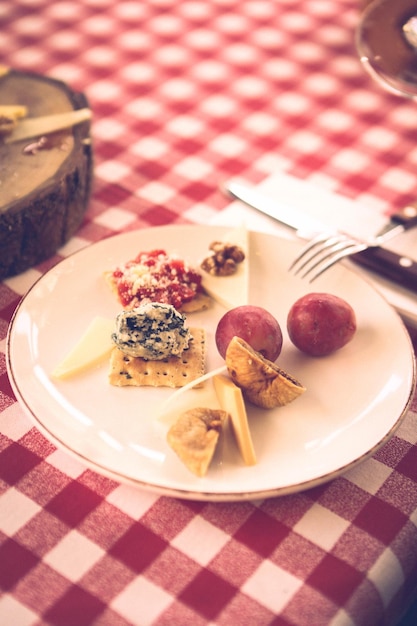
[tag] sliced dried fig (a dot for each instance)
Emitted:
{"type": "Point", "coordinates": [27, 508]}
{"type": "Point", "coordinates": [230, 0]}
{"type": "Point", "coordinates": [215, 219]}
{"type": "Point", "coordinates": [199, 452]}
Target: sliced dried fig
{"type": "Point", "coordinates": [263, 383]}
{"type": "Point", "coordinates": [194, 437]}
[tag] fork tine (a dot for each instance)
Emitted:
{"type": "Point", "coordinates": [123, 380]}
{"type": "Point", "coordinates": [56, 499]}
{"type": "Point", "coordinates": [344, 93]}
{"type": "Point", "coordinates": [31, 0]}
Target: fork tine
{"type": "Point", "coordinates": [353, 249]}
{"type": "Point", "coordinates": [329, 252]}
{"type": "Point", "coordinates": [322, 238]}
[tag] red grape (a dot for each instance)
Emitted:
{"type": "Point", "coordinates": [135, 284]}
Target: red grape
{"type": "Point", "coordinates": [320, 323]}
{"type": "Point", "coordinates": [253, 324]}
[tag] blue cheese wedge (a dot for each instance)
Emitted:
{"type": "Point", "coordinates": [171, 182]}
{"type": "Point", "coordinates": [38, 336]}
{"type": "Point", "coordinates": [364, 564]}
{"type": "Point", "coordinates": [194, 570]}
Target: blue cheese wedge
{"type": "Point", "coordinates": [152, 331]}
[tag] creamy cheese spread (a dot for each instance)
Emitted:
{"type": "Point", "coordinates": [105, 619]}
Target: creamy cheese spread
{"type": "Point", "coordinates": [152, 331]}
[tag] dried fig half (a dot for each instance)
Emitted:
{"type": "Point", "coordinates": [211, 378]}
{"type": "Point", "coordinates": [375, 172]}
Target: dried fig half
{"type": "Point", "coordinates": [194, 437]}
{"type": "Point", "coordinates": [263, 383]}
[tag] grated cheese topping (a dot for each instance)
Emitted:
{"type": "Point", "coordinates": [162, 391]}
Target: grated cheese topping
{"type": "Point", "coordinates": [156, 277]}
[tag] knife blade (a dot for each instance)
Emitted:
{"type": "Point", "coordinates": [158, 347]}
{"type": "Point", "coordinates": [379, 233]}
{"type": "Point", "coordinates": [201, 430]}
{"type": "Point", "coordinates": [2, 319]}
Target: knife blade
{"type": "Point", "coordinates": [397, 268]}
{"type": "Point", "coordinates": [31, 127]}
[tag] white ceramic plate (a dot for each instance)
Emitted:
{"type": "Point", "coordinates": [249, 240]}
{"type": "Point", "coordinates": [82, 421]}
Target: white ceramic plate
{"type": "Point", "coordinates": [354, 401]}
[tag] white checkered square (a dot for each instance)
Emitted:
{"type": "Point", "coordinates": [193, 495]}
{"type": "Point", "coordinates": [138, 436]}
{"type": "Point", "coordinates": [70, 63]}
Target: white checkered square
{"type": "Point", "coordinates": [350, 160]}
{"type": "Point", "coordinates": [408, 428]}
{"type": "Point", "coordinates": [396, 179]}
{"type": "Point", "coordinates": [190, 543]}
{"type": "Point", "coordinates": [387, 575]}
{"type": "Point", "coordinates": [369, 476]}
{"type": "Point", "coordinates": [14, 423]}
{"type": "Point", "coordinates": [116, 219]}
{"type": "Point", "coordinates": [321, 526]}
{"type": "Point", "coordinates": [149, 148]}
{"type": "Point", "coordinates": [74, 555]}
{"type": "Point", "coordinates": [16, 510]}
{"type": "Point", "coordinates": [185, 126]}
{"type": "Point", "coordinates": [272, 586]}
{"type": "Point", "coordinates": [193, 168]}
{"type": "Point", "coordinates": [306, 142]}
{"type": "Point", "coordinates": [156, 192]}
{"type": "Point", "coordinates": [112, 171]}
{"type": "Point", "coordinates": [132, 501]}
{"type": "Point", "coordinates": [141, 602]}
{"type": "Point", "coordinates": [228, 145]}
{"type": "Point", "coordinates": [261, 123]}
{"type": "Point", "coordinates": [66, 463]}
{"type": "Point", "coordinates": [16, 613]}
{"type": "Point", "coordinates": [107, 129]}
{"type": "Point", "coordinates": [201, 214]}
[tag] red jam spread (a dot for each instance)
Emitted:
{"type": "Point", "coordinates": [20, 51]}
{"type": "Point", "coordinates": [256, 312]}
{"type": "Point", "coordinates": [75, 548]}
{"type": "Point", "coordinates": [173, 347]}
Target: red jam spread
{"type": "Point", "coordinates": [156, 277]}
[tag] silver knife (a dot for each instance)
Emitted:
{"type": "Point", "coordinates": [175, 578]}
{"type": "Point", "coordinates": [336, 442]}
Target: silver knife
{"type": "Point", "coordinates": [400, 269]}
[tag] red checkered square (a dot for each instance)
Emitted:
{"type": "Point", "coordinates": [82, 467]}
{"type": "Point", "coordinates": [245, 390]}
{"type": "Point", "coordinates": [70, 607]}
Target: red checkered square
{"type": "Point", "coordinates": [244, 610]}
{"type": "Point", "coordinates": [381, 520]}
{"type": "Point", "coordinates": [6, 399]}
{"type": "Point", "coordinates": [167, 518]}
{"type": "Point", "coordinates": [297, 555]}
{"type": "Point", "coordinates": [289, 509]}
{"type": "Point", "coordinates": [101, 485]}
{"type": "Point", "coordinates": [83, 500]}
{"type": "Point", "coordinates": [408, 464]}
{"type": "Point", "coordinates": [172, 571]}
{"type": "Point", "coordinates": [40, 588]}
{"type": "Point", "coordinates": [107, 578]}
{"type": "Point", "coordinates": [15, 562]}
{"type": "Point", "coordinates": [400, 491]}
{"type": "Point", "coordinates": [37, 443]}
{"type": "Point", "coordinates": [342, 497]}
{"type": "Point", "coordinates": [16, 461]}
{"type": "Point", "coordinates": [261, 533]}
{"type": "Point", "coordinates": [41, 533]}
{"type": "Point", "coordinates": [224, 563]}
{"type": "Point", "coordinates": [366, 605]}
{"type": "Point", "coordinates": [357, 548]}
{"type": "Point", "coordinates": [335, 579]}
{"type": "Point", "coordinates": [208, 604]}
{"type": "Point", "coordinates": [76, 606]}
{"type": "Point", "coordinates": [393, 451]}
{"type": "Point", "coordinates": [149, 546]}
{"type": "Point", "coordinates": [112, 522]}
{"type": "Point", "coordinates": [43, 482]}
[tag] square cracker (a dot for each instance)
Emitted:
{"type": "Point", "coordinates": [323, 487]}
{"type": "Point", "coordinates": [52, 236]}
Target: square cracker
{"type": "Point", "coordinates": [174, 371]}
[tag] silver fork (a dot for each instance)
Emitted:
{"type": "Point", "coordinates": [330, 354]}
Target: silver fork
{"type": "Point", "coordinates": [326, 249]}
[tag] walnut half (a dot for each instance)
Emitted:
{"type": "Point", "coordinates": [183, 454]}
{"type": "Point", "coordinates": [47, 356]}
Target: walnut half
{"type": "Point", "coordinates": [224, 259]}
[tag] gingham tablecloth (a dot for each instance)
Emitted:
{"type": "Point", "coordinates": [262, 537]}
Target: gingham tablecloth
{"type": "Point", "coordinates": [187, 94]}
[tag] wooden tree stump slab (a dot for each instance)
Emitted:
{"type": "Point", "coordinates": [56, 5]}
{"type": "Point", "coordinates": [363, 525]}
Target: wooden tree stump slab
{"type": "Point", "coordinates": [45, 182]}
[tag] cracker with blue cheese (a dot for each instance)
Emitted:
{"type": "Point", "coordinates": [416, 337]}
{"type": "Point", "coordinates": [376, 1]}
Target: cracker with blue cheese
{"type": "Point", "coordinates": [153, 347]}
{"type": "Point", "coordinates": [173, 371]}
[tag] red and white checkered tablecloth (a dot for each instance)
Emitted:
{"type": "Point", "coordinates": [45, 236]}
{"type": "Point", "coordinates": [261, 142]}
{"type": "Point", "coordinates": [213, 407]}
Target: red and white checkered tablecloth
{"type": "Point", "coordinates": [187, 94]}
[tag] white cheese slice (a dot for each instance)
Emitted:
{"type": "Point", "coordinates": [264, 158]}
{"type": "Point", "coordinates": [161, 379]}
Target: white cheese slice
{"type": "Point", "coordinates": [92, 348]}
{"type": "Point", "coordinates": [38, 126]}
{"type": "Point", "coordinates": [231, 291]}
{"type": "Point", "coordinates": [231, 400]}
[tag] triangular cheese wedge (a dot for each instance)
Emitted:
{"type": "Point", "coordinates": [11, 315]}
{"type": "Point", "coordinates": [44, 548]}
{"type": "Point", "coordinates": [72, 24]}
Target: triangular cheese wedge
{"type": "Point", "coordinates": [93, 347]}
{"type": "Point", "coordinates": [231, 291]}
